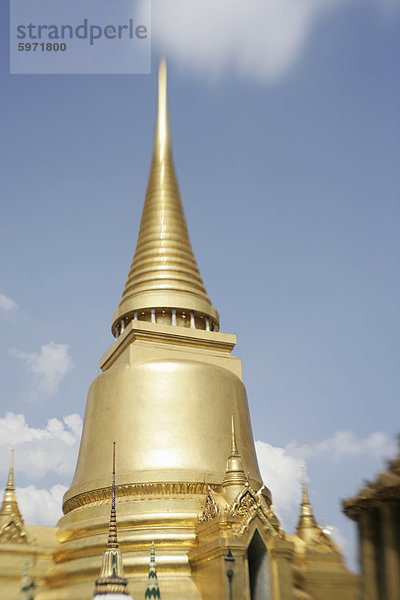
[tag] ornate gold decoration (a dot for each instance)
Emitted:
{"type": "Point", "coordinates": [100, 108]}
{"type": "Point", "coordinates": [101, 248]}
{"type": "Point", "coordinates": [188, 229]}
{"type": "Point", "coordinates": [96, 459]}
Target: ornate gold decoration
{"type": "Point", "coordinates": [248, 505]}
{"type": "Point", "coordinates": [245, 504]}
{"type": "Point", "coordinates": [13, 532]}
{"type": "Point", "coordinates": [240, 503]}
{"type": "Point", "coordinates": [211, 508]}
{"type": "Point", "coordinates": [137, 489]}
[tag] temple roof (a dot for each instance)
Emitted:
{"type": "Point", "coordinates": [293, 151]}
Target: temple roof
{"type": "Point", "coordinates": [164, 272]}
{"type": "Point", "coordinates": [386, 487]}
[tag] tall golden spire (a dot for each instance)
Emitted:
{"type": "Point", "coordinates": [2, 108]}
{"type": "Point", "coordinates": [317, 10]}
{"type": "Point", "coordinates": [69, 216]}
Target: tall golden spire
{"type": "Point", "coordinates": [10, 505]}
{"type": "Point", "coordinates": [164, 282]}
{"type": "Point", "coordinates": [307, 526]}
{"type": "Point", "coordinates": [111, 580]}
{"type": "Point", "coordinates": [235, 478]}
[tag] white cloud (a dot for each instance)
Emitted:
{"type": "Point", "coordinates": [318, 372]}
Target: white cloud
{"type": "Point", "coordinates": [345, 444]}
{"type": "Point", "coordinates": [281, 467]}
{"type": "Point", "coordinates": [261, 39]}
{"type": "Point", "coordinates": [48, 367]}
{"type": "Point", "coordinates": [41, 506]}
{"type": "Point", "coordinates": [281, 473]}
{"type": "Point", "coordinates": [38, 451]}
{"type": "Point", "coordinates": [7, 304]}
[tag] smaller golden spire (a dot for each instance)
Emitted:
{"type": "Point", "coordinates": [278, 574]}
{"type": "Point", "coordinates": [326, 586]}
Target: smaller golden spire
{"type": "Point", "coordinates": [234, 479]}
{"type": "Point", "coordinates": [307, 526]}
{"type": "Point", "coordinates": [111, 580]}
{"type": "Point", "coordinates": [10, 505]}
{"type": "Point", "coordinates": [12, 527]}
{"type": "Point", "coordinates": [152, 589]}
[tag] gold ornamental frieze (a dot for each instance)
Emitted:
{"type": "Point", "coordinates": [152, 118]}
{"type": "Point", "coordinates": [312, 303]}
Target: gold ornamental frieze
{"type": "Point", "coordinates": [138, 489]}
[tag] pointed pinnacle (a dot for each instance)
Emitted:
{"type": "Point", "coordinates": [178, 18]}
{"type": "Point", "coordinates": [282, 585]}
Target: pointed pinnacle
{"type": "Point", "coordinates": [113, 481]}
{"type": "Point", "coordinates": [162, 144]}
{"type": "Point", "coordinates": [304, 486]}
{"type": "Point", "coordinates": [234, 449]}
{"type": "Point", "coordinates": [11, 471]}
{"type": "Point", "coordinates": [307, 524]}
{"type": "Point", "coordinates": [9, 504]}
{"type": "Point", "coordinates": [234, 479]}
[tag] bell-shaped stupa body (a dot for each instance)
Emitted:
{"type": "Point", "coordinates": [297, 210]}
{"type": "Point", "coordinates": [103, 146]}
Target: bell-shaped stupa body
{"type": "Point", "coordinates": [168, 388]}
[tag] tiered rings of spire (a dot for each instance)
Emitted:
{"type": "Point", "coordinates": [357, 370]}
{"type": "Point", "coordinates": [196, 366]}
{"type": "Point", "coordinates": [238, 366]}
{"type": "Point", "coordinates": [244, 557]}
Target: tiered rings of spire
{"type": "Point", "coordinates": [164, 284]}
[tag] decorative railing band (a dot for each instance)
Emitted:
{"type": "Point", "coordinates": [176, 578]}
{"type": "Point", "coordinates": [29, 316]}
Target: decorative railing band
{"type": "Point", "coordinates": [137, 489]}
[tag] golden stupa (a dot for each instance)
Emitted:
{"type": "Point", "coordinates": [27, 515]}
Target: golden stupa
{"type": "Point", "coordinates": [171, 395]}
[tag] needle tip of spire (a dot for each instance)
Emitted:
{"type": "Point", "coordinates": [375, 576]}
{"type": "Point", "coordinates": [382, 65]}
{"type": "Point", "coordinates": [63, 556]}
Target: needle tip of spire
{"type": "Point", "coordinates": [233, 436]}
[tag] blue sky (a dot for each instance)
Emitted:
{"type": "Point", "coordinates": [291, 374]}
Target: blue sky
{"type": "Point", "coordinates": [285, 128]}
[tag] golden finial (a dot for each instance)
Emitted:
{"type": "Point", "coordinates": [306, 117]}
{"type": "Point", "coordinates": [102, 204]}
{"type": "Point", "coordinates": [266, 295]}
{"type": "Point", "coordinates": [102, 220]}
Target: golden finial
{"type": "Point", "coordinates": [304, 485]}
{"type": "Point", "coordinates": [164, 275]}
{"type": "Point", "coordinates": [11, 471]}
{"type": "Point", "coordinates": [307, 526]}
{"type": "Point", "coordinates": [162, 143]}
{"type": "Point", "coordinates": [234, 479]}
{"type": "Point", "coordinates": [234, 449]}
